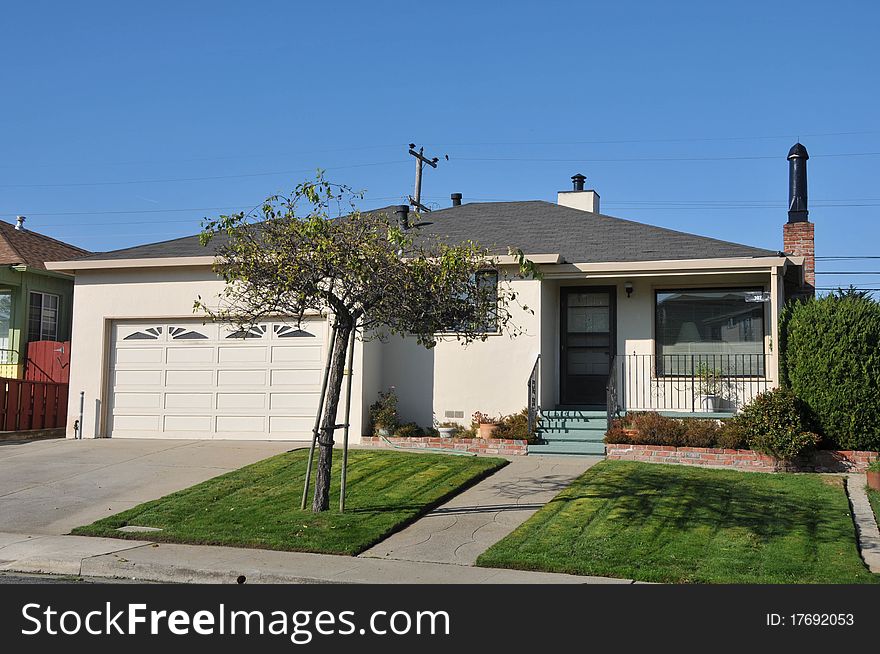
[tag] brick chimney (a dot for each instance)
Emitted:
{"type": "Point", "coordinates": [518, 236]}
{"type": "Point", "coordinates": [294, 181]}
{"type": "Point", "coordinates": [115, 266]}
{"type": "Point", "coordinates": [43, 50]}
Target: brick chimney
{"type": "Point", "coordinates": [797, 234]}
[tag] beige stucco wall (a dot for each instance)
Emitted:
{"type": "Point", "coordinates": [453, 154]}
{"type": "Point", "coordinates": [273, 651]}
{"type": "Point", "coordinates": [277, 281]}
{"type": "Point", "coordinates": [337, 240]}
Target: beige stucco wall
{"type": "Point", "coordinates": [488, 375]}
{"type": "Point", "coordinates": [101, 296]}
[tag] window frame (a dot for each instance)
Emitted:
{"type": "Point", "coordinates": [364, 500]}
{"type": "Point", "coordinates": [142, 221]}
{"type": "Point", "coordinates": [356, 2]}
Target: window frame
{"type": "Point", "coordinates": [657, 368]}
{"type": "Point", "coordinates": [31, 308]}
{"type": "Point", "coordinates": [491, 325]}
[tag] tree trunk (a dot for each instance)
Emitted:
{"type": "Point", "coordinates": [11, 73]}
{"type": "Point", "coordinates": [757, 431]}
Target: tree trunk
{"type": "Point", "coordinates": [321, 501]}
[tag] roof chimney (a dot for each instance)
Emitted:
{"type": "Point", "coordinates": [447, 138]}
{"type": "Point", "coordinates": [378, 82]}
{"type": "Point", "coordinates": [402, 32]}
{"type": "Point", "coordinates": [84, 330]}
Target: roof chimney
{"type": "Point", "coordinates": [578, 198]}
{"type": "Point", "coordinates": [797, 184]}
{"type": "Point", "coordinates": [401, 212]}
{"type": "Point", "coordinates": [19, 223]}
{"type": "Point", "coordinates": [456, 199]}
{"type": "Point", "coordinates": [798, 233]}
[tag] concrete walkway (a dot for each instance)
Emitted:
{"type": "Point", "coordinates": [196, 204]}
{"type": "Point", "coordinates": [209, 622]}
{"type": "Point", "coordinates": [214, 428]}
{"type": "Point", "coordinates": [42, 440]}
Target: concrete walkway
{"type": "Point", "coordinates": [866, 525]}
{"type": "Point", "coordinates": [463, 528]}
{"type": "Point", "coordinates": [109, 558]}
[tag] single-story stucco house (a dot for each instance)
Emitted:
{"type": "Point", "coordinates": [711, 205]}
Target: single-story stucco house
{"type": "Point", "coordinates": [627, 316]}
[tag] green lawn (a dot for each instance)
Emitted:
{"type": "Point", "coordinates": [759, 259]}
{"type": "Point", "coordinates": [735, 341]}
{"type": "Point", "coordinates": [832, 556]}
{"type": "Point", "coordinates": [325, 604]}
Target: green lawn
{"type": "Point", "coordinates": [258, 505]}
{"type": "Point", "coordinates": [874, 499]}
{"type": "Point", "coordinates": [669, 523]}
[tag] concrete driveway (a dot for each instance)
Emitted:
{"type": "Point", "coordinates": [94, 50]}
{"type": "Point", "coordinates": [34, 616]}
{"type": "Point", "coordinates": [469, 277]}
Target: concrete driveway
{"type": "Point", "coordinates": [52, 486]}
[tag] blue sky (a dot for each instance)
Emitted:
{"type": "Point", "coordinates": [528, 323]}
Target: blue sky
{"type": "Point", "coordinates": [124, 124]}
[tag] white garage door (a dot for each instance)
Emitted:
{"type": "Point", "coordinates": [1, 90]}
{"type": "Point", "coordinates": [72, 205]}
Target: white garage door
{"type": "Point", "coordinates": [183, 379]}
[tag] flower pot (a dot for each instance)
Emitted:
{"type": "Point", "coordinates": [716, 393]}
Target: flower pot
{"type": "Point", "coordinates": [487, 429]}
{"type": "Point", "coordinates": [707, 403]}
{"type": "Point", "coordinates": [873, 479]}
{"type": "Point", "coordinates": [446, 432]}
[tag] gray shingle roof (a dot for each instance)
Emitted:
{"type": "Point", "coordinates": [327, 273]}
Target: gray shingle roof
{"type": "Point", "coordinates": [535, 226]}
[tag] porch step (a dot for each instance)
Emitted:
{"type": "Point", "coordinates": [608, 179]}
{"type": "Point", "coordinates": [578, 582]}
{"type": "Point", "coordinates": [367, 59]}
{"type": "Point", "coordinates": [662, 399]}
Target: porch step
{"type": "Point", "coordinates": [572, 437]}
{"type": "Point", "coordinates": [573, 448]}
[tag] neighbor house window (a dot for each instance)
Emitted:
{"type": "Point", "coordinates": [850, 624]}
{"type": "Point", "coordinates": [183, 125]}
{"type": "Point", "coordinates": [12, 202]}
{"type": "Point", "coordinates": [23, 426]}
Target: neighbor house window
{"type": "Point", "coordinates": [720, 329]}
{"type": "Point", "coordinates": [6, 355]}
{"type": "Point", "coordinates": [43, 317]}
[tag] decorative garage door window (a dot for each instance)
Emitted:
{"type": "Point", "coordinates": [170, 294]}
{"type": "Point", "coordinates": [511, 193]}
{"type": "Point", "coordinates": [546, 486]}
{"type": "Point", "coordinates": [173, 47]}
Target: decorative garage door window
{"type": "Point", "coordinates": [149, 334]}
{"type": "Point", "coordinates": [185, 379]}
{"type": "Point", "coordinates": [181, 333]}
{"type": "Point", "coordinates": [256, 331]}
{"type": "Point", "coordinates": [289, 331]}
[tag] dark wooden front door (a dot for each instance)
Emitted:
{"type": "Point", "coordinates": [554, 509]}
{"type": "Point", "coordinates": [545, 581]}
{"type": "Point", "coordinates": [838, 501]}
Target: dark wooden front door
{"type": "Point", "coordinates": [587, 344]}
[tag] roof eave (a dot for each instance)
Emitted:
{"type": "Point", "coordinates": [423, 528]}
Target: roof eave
{"type": "Point", "coordinates": [108, 264]}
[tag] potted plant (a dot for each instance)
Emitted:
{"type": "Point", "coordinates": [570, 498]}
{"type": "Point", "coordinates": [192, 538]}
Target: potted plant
{"type": "Point", "coordinates": [447, 429]}
{"type": "Point", "coordinates": [873, 474]}
{"type": "Point", "coordinates": [486, 423]}
{"type": "Point", "coordinates": [709, 387]}
{"type": "Point", "coordinates": [383, 413]}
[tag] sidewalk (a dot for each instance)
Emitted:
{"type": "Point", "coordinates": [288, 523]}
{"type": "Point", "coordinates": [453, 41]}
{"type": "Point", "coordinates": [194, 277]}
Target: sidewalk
{"type": "Point", "coordinates": [466, 526]}
{"type": "Point", "coordinates": [145, 561]}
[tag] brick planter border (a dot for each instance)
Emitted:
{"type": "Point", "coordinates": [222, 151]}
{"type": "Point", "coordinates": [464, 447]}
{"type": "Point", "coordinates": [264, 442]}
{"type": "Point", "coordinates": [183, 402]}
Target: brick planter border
{"type": "Point", "coordinates": [707, 457]}
{"type": "Point", "coordinates": [474, 445]}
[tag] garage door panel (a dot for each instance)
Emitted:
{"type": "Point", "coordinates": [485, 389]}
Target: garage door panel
{"type": "Point", "coordinates": [189, 400]}
{"type": "Point", "coordinates": [190, 355]}
{"type": "Point", "coordinates": [133, 400]}
{"type": "Point", "coordinates": [189, 377]}
{"type": "Point", "coordinates": [241, 378]}
{"type": "Point", "coordinates": [188, 423]}
{"type": "Point", "coordinates": [139, 423]}
{"type": "Point", "coordinates": [297, 425]}
{"type": "Point", "coordinates": [296, 403]}
{"type": "Point", "coordinates": [285, 354]}
{"type": "Point", "coordinates": [183, 379]}
{"type": "Point", "coordinates": [133, 378]}
{"type": "Point", "coordinates": [297, 378]}
{"type": "Point", "coordinates": [241, 423]}
{"type": "Point", "coordinates": [241, 400]}
{"type": "Point", "coordinates": [242, 354]}
{"type": "Point", "coordinates": [138, 355]}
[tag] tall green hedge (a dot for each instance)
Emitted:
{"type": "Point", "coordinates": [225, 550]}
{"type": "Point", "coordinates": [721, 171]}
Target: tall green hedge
{"type": "Point", "coordinates": [830, 358]}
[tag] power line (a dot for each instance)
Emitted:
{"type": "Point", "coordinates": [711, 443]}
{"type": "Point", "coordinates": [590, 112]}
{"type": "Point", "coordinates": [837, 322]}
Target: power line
{"type": "Point", "coordinates": [442, 145]}
{"type": "Point", "coordinates": [197, 179]}
{"type": "Point", "coordinates": [668, 159]}
{"type": "Point", "coordinates": [851, 272]}
{"type": "Point", "coordinates": [845, 258]}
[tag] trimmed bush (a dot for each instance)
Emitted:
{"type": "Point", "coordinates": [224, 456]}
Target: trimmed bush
{"type": "Point", "coordinates": [731, 436]}
{"type": "Point", "coordinates": [654, 429]}
{"type": "Point", "coordinates": [830, 358]}
{"type": "Point", "coordinates": [700, 433]}
{"type": "Point", "coordinates": [515, 426]}
{"type": "Point", "coordinates": [778, 423]}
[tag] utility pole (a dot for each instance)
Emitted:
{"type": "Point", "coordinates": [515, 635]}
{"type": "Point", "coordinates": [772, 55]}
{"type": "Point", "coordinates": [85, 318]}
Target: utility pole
{"type": "Point", "coordinates": [416, 199]}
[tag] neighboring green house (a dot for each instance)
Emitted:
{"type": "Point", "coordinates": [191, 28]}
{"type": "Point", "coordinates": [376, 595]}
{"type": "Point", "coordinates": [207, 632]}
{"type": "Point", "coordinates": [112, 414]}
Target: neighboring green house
{"type": "Point", "coordinates": [35, 303]}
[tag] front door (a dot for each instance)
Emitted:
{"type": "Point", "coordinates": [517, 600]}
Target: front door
{"type": "Point", "coordinates": [587, 344]}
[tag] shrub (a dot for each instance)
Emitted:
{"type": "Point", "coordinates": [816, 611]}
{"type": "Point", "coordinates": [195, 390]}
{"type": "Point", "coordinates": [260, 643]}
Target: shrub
{"type": "Point", "coordinates": [515, 426]}
{"type": "Point", "coordinates": [383, 412]}
{"type": "Point", "coordinates": [654, 429]}
{"type": "Point", "coordinates": [778, 423]}
{"type": "Point", "coordinates": [700, 433]}
{"type": "Point", "coordinates": [830, 357]}
{"type": "Point", "coordinates": [874, 466]}
{"type": "Point", "coordinates": [413, 430]}
{"type": "Point", "coordinates": [731, 436]}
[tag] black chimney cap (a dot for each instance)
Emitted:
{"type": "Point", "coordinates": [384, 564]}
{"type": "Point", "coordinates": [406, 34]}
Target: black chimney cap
{"type": "Point", "coordinates": [799, 151]}
{"type": "Point", "coordinates": [401, 211]}
{"type": "Point", "coordinates": [456, 199]}
{"type": "Point", "coordinates": [578, 181]}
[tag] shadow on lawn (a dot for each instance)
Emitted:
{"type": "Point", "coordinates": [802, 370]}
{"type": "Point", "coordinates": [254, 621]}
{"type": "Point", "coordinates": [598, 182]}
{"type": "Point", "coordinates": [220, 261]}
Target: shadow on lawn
{"type": "Point", "coordinates": [641, 497]}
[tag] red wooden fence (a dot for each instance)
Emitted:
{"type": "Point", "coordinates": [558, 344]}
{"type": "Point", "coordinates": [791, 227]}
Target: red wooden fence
{"type": "Point", "coordinates": [28, 405]}
{"type": "Point", "coordinates": [48, 361]}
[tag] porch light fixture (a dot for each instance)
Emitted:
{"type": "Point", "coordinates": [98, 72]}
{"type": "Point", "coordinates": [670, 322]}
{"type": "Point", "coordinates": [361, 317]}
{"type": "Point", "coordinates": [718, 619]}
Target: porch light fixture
{"type": "Point", "coordinates": [628, 287]}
